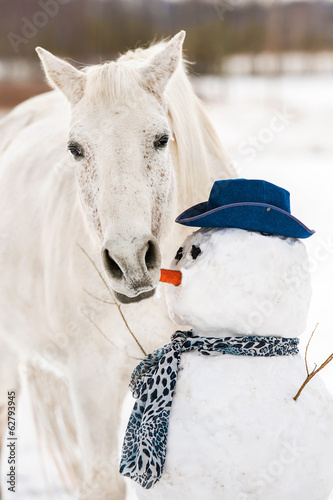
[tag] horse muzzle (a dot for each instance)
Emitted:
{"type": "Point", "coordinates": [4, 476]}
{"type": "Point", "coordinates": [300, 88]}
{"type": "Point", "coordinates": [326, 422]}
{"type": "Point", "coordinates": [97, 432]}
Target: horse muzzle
{"type": "Point", "coordinates": [132, 266]}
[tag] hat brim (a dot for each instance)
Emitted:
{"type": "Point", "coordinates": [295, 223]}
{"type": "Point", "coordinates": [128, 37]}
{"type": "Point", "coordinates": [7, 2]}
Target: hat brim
{"type": "Point", "coordinates": [251, 216]}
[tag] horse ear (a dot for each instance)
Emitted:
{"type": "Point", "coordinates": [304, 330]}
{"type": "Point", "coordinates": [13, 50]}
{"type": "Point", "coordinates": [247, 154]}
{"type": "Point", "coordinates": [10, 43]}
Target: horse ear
{"type": "Point", "coordinates": [163, 64]}
{"type": "Point", "coordinates": [62, 75]}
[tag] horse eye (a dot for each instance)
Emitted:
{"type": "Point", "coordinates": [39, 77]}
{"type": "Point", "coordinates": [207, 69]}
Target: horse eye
{"type": "Point", "coordinates": [76, 150]}
{"type": "Point", "coordinates": [195, 252]}
{"type": "Point", "coordinates": [161, 142]}
{"type": "Point", "coordinates": [179, 254]}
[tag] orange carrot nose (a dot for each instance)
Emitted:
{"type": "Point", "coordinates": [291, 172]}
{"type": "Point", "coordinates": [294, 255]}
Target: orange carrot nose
{"type": "Point", "coordinates": [172, 277]}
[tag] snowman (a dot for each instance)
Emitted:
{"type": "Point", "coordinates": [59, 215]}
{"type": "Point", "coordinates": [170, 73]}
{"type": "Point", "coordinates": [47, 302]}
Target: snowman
{"type": "Point", "coordinates": [215, 416]}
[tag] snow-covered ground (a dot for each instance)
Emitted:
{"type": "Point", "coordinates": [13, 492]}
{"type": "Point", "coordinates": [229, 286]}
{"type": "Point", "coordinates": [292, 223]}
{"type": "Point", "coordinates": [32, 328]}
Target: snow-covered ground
{"type": "Point", "coordinates": [280, 130]}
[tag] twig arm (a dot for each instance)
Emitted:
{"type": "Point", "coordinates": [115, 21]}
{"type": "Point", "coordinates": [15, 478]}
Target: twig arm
{"type": "Point", "coordinates": [312, 374]}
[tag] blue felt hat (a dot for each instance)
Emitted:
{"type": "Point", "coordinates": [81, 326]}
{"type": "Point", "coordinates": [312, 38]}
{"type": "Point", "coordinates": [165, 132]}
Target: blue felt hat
{"type": "Point", "coordinates": [247, 204]}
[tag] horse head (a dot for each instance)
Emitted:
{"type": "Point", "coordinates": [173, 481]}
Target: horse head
{"type": "Point", "coordinates": [118, 140]}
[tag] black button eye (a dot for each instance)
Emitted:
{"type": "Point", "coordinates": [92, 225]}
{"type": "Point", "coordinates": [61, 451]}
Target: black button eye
{"type": "Point", "coordinates": [195, 252]}
{"type": "Point", "coordinates": [179, 254]}
{"type": "Point", "coordinates": [161, 142]}
{"type": "Point", "coordinates": [76, 150]}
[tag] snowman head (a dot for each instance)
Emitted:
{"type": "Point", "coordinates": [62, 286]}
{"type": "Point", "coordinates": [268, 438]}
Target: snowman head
{"type": "Point", "coordinates": [236, 281]}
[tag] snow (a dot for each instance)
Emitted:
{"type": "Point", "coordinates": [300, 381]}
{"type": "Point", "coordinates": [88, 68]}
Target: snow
{"type": "Point", "coordinates": [267, 63]}
{"type": "Point", "coordinates": [293, 150]}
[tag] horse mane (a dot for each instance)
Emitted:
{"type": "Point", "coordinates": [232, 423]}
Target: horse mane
{"type": "Point", "coordinates": [197, 152]}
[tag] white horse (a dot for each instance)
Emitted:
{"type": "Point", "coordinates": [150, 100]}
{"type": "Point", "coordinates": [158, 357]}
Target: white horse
{"type": "Point", "coordinates": [140, 149]}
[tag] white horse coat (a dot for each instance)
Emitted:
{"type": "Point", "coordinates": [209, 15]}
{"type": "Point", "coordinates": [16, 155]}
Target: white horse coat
{"type": "Point", "coordinates": [116, 199]}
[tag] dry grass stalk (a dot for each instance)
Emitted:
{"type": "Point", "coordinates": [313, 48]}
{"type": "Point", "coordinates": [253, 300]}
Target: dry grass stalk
{"type": "Point", "coordinates": [315, 370]}
{"type": "Point", "coordinates": [98, 298]}
{"type": "Point", "coordinates": [106, 338]}
{"type": "Point", "coordinates": [115, 302]}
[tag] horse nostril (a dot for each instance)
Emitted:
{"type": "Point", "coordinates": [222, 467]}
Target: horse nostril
{"type": "Point", "coordinates": [152, 256]}
{"type": "Point", "coordinates": [111, 265]}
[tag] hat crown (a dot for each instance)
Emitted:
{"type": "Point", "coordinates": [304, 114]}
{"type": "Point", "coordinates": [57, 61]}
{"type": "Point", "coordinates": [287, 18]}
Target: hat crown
{"type": "Point", "coordinates": [253, 205]}
{"type": "Point", "coordinates": [231, 191]}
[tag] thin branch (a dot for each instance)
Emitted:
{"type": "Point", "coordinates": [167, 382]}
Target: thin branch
{"type": "Point", "coordinates": [115, 301]}
{"type": "Point", "coordinates": [98, 298]}
{"type": "Point", "coordinates": [128, 328]}
{"type": "Point", "coordinates": [312, 374]}
{"type": "Point", "coordinates": [97, 270]}
{"type": "Point", "coordinates": [121, 313]}
{"type": "Point", "coordinates": [100, 331]}
{"type": "Point", "coordinates": [306, 349]}
{"type": "Point", "coordinates": [314, 371]}
{"type": "Point", "coordinates": [106, 338]}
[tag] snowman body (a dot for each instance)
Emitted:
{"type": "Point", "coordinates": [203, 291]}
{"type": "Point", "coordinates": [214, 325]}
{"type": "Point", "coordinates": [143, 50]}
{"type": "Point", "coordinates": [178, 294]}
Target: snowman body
{"type": "Point", "coordinates": [235, 431]}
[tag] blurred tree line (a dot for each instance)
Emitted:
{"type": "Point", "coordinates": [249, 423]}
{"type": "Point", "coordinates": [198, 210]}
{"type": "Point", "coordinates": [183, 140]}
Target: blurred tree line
{"type": "Point", "coordinates": [96, 30]}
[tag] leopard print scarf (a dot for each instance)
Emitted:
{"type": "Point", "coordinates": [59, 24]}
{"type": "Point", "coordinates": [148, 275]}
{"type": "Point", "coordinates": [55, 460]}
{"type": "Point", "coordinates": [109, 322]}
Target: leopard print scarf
{"type": "Point", "coordinates": [153, 384]}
